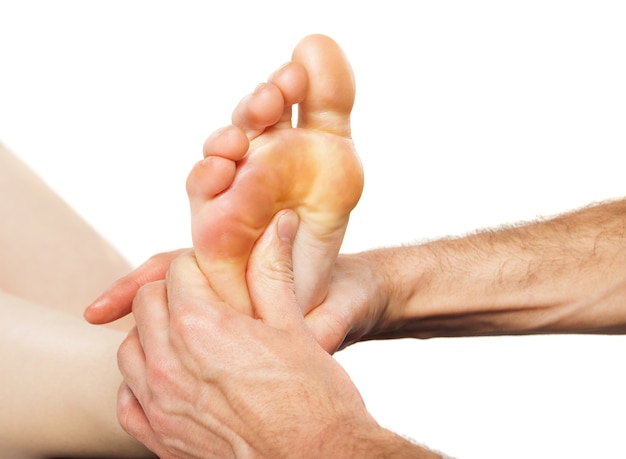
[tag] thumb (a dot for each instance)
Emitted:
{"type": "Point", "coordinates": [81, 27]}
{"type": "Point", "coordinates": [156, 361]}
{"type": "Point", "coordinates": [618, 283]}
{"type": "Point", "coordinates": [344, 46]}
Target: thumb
{"type": "Point", "coordinates": [270, 273]}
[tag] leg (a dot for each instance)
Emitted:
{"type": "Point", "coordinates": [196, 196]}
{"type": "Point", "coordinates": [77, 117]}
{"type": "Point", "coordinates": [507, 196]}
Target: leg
{"type": "Point", "coordinates": [59, 393]}
{"type": "Point", "coordinates": [50, 255]}
{"type": "Point", "coordinates": [59, 385]}
{"type": "Point", "coordinates": [262, 164]}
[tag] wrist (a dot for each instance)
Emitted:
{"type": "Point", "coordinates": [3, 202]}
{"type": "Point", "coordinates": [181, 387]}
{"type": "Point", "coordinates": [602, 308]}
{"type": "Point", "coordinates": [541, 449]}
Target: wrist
{"type": "Point", "coordinates": [402, 290]}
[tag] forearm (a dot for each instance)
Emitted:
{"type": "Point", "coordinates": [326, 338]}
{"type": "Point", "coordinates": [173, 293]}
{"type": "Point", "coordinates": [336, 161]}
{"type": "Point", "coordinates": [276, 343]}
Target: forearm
{"type": "Point", "coordinates": [564, 275]}
{"type": "Point", "coordinates": [370, 442]}
{"type": "Point", "coordinates": [59, 385]}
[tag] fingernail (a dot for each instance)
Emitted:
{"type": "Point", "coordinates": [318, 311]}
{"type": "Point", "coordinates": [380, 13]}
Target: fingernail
{"type": "Point", "coordinates": [98, 303]}
{"type": "Point", "coordinates": [288, 226]}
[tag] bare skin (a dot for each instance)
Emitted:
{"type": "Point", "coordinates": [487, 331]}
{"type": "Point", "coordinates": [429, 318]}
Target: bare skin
{"type": "Point", "coordinates": [184, 396]}
{"type": "Point", "coordinates": [38, 226]}
{"type": "Point", "coordinates": [261, 164]}
{"type": "Point", "coordinates": [60, 376]}
{"type": "Point", "coordinates": [563, 275]}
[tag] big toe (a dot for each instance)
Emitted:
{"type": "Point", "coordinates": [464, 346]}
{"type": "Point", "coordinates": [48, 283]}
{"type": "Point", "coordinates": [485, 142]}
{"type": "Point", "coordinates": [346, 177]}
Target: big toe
{"type": "Point", "coordinates": [331, 90]}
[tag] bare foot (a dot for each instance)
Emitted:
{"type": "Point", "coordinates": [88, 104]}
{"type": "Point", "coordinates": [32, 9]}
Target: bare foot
{"type": "Point", "coordinates": [261, 164]}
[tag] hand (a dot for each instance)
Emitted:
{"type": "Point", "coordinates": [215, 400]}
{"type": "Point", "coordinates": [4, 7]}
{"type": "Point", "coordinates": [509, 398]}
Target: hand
{"type": "Point", "coordinates": [202, 379]}
{"type": "Point", "coordinates": [355, 304]}
{"type": "Point", "coordinates": [352, 308]}
{"type": "Point", "coordinates": [117, 300]}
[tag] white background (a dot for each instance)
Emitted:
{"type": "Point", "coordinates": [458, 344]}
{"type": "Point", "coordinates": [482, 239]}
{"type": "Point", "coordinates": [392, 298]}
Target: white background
{"type": "Point", "coordinates": [468, 115]}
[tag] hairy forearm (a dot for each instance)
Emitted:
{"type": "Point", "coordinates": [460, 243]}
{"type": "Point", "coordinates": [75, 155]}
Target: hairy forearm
{"type": "Point", "coordinates": [388, 445]}
{"type": "Point", "coordinates": [563, 275]}
{"type": "Point", "coordinates": [368, 441]}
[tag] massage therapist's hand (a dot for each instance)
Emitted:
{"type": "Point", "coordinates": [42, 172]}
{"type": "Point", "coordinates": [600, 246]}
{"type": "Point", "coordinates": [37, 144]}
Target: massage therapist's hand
{"type": "Point", "coordinates": [204, 380]}
{"type": "Point", "coordinates": [117, 301]}
{"type": "Point", "coordinates": [355, 302]}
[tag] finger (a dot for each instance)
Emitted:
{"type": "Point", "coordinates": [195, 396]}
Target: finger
{"type": "Point", "coordinates": [188, 290]}
{"type": "Point", "coordinates": [117, 300]}
{"type": "Point", "coordinates": [270, 273]}
{"type": "Point", "coordinates": [328, 327]}
{"type": "Point", "coordinates": [131, 362]}
{"type": "Point", "coordinates": [196, 311]}
{"type": "Point", "coordinates": [150, 309]}
{"type": "Point", "coordinates": [133, 419]}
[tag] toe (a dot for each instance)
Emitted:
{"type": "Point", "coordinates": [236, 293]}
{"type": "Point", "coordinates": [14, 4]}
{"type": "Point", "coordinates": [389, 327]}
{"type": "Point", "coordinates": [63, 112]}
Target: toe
{"type": "Point", "coordinates": [259, 110]}
{"type": "Point", "coordinates": [209, 177]}
{"type": "Point", "coordinates": [292, 80]}
{"type": "Point", "coordinates": [331, 89]}
{"type": "Point", "coordinates": [229, 142]}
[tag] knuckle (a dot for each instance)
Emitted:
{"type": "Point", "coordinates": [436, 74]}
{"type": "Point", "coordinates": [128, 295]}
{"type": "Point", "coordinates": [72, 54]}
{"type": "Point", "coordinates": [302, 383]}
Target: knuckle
{"type": "Point", "coordinates": [124, 349]}
{"type": "Point", "coordinates": [279, 270]}
{"type": "Point", "coordinates": [159, 374]}
{"type": "Point", "coordinates": [123, 410]}
{"type": "Point", "coordinates": [147, 292]}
